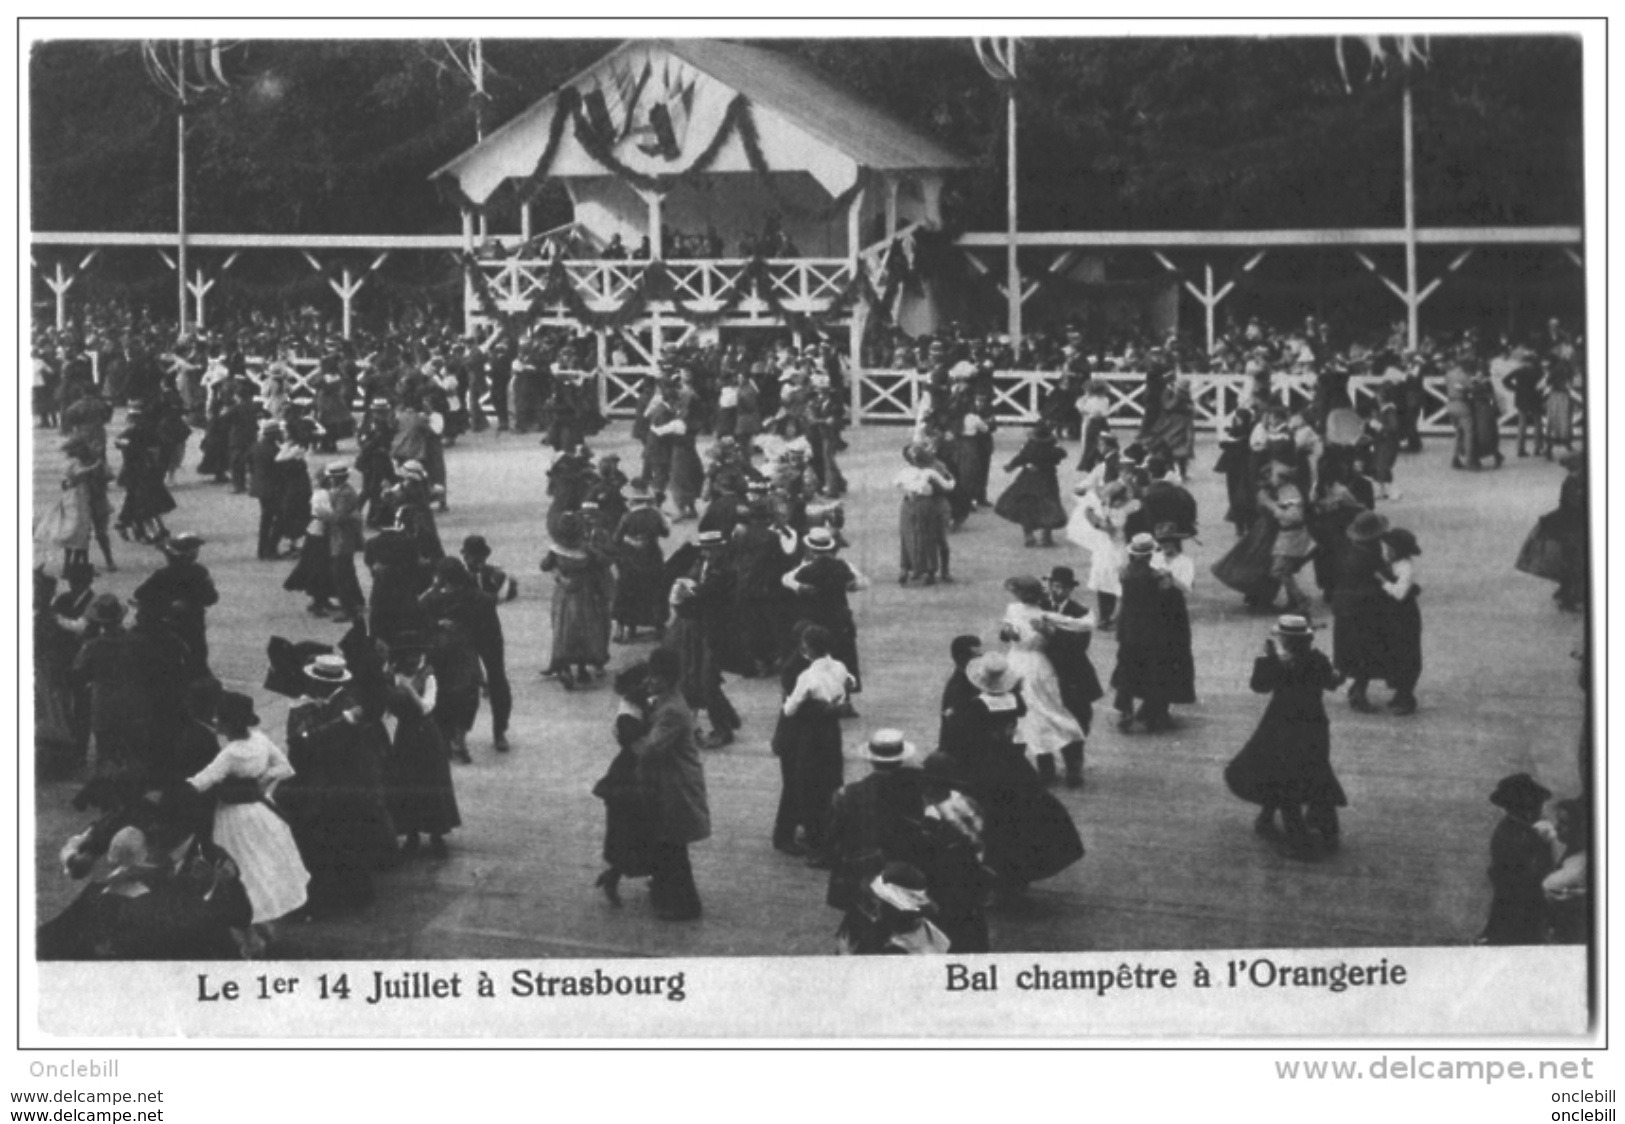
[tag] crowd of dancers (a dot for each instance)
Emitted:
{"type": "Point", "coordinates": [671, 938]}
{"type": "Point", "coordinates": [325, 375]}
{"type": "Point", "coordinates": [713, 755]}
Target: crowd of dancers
{"type": "Point", "coordinates": [189, 788]}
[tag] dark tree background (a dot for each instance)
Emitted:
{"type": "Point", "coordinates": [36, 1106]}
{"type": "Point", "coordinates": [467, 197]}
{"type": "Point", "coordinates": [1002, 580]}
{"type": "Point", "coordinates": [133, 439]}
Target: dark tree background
{"type": "Point", "coordinates": [339, 136]}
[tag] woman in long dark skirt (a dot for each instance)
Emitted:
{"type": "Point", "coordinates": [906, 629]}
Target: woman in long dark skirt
{"type": "Point", "coordinates": [640, 587]}
{"type": "Point", "coordinates": [1286, 766]}
{"type": "Point", "coordinates": [626, 801]}
{"type": "Point", "coordinates": [1520, 859]}
{"type": "Point", "coordinates": [312, 574]}
{"type": "Point", "coordinates": [146, 499]}
{"type": "Point", "coordinates": [417, 774]}
{"type": "Point", "coordinates": [1029, 835]}
{"type": "Point", "coordinates": [1404, 629]}
{"type": "Point", "coordinates": [1033, 499]}
{"type": "Point", "coordinates": [1360, 610]}
{"type": "Point", "coordinates": [1236, 462]}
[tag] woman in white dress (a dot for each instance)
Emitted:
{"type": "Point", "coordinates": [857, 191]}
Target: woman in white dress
{"type": "Point", "coordinates": [1097, 525]}
{"type": "Point", "coordinates": [242, 778]}
{"type": "Point", "coordinates": [1048, 727]}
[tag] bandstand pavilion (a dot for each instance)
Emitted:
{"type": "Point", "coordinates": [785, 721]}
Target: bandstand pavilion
{"type": "Point", "coordinates": [716, 140]}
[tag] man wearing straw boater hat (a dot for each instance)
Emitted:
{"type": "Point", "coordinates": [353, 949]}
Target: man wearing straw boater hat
{"type": "Point", "coordinates": [335, 801]}
{"type": "Point", "coordinates": [873, 820]}
{"type": "Point", "coordinates": [338, 508]}
{"type": "Point", "coordinates": [1286, 765]}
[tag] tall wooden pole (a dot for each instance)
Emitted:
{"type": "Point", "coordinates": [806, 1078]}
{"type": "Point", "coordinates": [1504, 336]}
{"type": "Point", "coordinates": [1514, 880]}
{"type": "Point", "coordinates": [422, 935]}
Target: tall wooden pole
{"type": "Point", "coordinates": [479, 113]}
{"type": "Point", "coordinates": [1013, 267]}
{"type": "Point", "coordinates": [180, 203]}
{"type": "Point", "coordinates": [1412, 301]}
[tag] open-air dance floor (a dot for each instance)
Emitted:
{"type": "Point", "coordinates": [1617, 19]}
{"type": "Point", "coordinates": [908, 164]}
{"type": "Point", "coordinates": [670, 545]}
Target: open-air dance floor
{"type": "Point", "coordinates": [1172, 860]}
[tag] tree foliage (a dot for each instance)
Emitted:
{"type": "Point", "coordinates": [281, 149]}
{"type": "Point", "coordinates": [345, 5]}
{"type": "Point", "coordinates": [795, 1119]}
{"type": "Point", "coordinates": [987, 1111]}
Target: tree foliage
{"type": "Point", "coordinates": [340, 136]}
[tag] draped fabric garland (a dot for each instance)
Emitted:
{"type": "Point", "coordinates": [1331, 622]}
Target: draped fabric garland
{"type": "Point", "coordinates": [655, 284]}
{"type": "Point", "coordinates": [738, 117]}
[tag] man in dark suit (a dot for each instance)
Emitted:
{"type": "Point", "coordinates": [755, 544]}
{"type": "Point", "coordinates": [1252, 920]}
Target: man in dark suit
{"type": "Point", "coordinates": [1163, 501]}
{"type": "Point", "coordinates": [1068, 653]}
{"type": "Point", "coordinates": [669, 764]}
{"type": "Point", "coordinates": [341, 516]}
{"type": "Point", "coordinates": [265, 485]}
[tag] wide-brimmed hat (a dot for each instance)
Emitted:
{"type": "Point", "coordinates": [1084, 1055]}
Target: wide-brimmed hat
{"type": "Point", "coordinates": [186, 544]}
{"type": "Point", "coordinates": [414, 470]}
{"type": "Point", "coordinates": [1520, 791]}
{"type": "Point", "coordinates": [903, 887]}
{"type": "Point", "coordinates": [964, 369]}
{"type": "Point", "coordinates": [1167, 531]}
{"type": "Point", "coordinates": [820, 540]}
{"type": "Point", "coordinates": [236, 710]}
{"type": "Point", "coordinates": [1142, 544]}
{"type": "Point", "coordinates": [328, 669]}
{"type": "Point", "coordinates": [888, 747]}
{"type": "Point", "coordinates": [106, 608]}
{"type": "Point", "coordinates": [1368, 526]}
{"type": "Point", "coordinates": [1404, 542]}
{"type": "Point", "coordinates": [1024, 587]}
{"type": "Point", "coordinates": [1064, 575]}
{"type": "Point", "coordinates": [991, 674]}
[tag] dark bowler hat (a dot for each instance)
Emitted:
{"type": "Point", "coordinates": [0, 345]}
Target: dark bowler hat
{"type": "Point", "coordinates": [1063, 575]}
{"type": "Point", "coordinates": [1520, 792]}
{"type": "Point", "coordinates": [476, 546]}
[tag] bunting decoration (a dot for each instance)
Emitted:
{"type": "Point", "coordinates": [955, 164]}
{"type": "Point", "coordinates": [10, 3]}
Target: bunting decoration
{"type": "Point", "coordinates": [1401, 51]}
{"type": "Point", "coordinates": [598, 138]}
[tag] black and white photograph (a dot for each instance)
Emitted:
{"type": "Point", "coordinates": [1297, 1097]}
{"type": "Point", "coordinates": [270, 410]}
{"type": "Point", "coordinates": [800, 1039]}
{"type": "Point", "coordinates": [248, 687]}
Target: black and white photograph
{"type": "Point", "coordinates": [640, 523]}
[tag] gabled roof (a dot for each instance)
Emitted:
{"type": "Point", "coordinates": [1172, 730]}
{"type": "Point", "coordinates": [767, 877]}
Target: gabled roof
{"type": "Point", "coordinates": [793, 90]}
{"type": "Point", "coordinates": [799, 92]}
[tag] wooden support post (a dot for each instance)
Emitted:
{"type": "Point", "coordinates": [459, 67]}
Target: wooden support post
{"type": "Point", "coordinates": [199, 288]}
{"type": "Point", "coordinates": [468, 281]}
{"type": "Point", "coordinates": [854, 230]}
{"type": "Point", "coordinates": [892, 186]}
{"type": "Point", "coordinates": [524, 221]}
{"type": "Point", "coordinates": [855, 326]}
{"type": "Point", "coordinates": [60, 286]}
{"type": "Point", "coordinates": [657, 232]}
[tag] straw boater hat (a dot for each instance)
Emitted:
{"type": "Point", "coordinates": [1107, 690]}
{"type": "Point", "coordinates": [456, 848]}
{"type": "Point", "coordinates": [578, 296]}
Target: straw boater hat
{"type": "Point", "coordinates": [964, 369]}
{"type": "Point", "coordinates": [1142, 544]}
{"type": "Point", "coordinates": [328, 669]}
{"type": "Point", "coordinates": [991, 674]}
{"type": "Point", "coordinates": [820, 541]}
{"type": "Point", "coordinates": [1368, 526]}
{"type": "Point", "coordinates": [888, 747]}
{"type": "Point", "coordinates": [1291, 626]}
{"type": "Point", "coordinates": [337, 469]}
{"type": "Point", "coordinates": [709, 538]}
